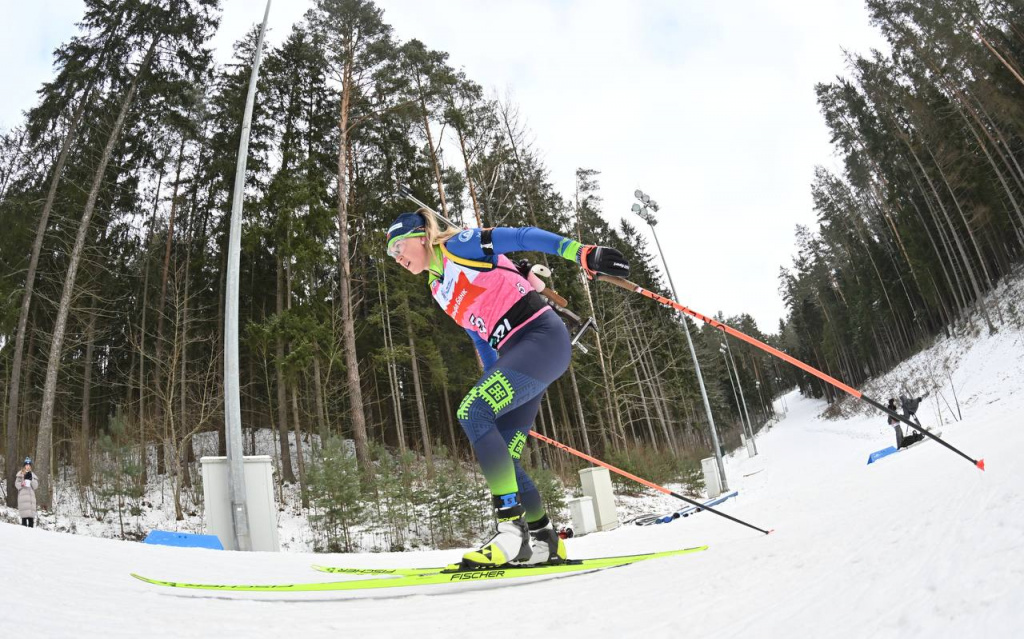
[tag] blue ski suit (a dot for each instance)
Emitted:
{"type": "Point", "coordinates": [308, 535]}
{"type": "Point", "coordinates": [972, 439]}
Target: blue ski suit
{"type": "Point", "coordinates": [523, 345]}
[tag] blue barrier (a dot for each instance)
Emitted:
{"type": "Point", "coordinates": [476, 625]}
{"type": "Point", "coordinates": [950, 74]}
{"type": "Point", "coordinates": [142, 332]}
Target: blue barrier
{"type": "Point", "coordinates": [183, 540]}
{"type": "Point", "coordinates": [878, 454]}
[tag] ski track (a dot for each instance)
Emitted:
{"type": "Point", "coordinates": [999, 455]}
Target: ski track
{"type": "Point", "coordinates": [920, 544]}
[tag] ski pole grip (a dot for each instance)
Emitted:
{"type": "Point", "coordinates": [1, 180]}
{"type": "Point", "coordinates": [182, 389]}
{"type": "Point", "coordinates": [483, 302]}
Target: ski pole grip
{"type": "Point", "coordinates": [554, 297]}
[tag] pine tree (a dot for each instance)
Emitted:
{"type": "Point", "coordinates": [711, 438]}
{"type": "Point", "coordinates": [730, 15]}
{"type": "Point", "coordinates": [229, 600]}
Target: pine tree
{"type": "Point", "coordinates": [358, 46]}
{"type": "Point", "coordinates": [187, 30]}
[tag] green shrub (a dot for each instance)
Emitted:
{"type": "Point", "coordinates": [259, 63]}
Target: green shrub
{"type": "Point", "coordinates": [117, 478]}
{"type": "Point", "coordinates": [334, 489]}
{"type": "Point", "coordinates": [656, 465]}
{"type": "Point", "coordinates": [392, 492]}
{"type": "Point", "coordinates": [455, 500]}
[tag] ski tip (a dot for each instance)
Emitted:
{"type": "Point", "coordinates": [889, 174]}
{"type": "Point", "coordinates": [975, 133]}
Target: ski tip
{"type": "Point", "coordinates": [770, 531]}
{"type": "Point", "coordinates": [981, 464]}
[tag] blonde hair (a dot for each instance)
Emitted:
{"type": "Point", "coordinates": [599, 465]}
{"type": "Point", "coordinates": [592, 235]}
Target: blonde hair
{"type": "Point", "coordinates": [435, 236]}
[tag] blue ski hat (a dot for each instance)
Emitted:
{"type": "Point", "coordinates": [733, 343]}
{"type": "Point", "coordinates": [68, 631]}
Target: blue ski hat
{"type": "Point", "coordinates": [406, 225]}
{"type": "Point", "coordinates": [28, 460]}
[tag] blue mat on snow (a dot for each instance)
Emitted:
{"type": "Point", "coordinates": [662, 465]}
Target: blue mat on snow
{"type": "Point", "coordinates": [885, 452]}
{"type": "Point", "coordinates": [183, 540]}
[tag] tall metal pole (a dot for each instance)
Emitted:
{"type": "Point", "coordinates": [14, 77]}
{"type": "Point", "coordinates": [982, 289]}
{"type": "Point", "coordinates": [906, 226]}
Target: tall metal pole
{"type": "Point", "coordinates": [732, 384]}
{"type": "Point", "coordinates": [743, 400]}
{"type": "Point", "coordinates": [769, 411]}
{"type": "Point", "coordinates": [696, 364]}
{"type": "Point", "coordinates": [782, 395]}
{"type": "Point", "coordinates": [232, 401]}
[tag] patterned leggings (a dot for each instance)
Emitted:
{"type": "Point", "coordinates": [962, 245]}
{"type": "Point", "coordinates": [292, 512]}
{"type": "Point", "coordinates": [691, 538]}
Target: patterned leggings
{"type": "Point", "coordinates": [498, 412]}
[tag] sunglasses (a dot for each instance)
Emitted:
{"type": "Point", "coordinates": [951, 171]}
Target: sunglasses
{"type": "Point", "coordinates": [396, 248]}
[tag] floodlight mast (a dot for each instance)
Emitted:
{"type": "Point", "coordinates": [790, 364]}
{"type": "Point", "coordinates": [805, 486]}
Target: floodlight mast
{"type": "Point", "coordinates": [645, 213]}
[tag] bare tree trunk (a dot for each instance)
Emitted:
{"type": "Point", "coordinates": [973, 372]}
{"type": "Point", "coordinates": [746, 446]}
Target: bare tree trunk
{"type": "Point", "coordinates": [421, 410]}
{"type": "Point", "coordinates": [579, 410]}
{"type": "Point", "coordinates": [84, 466]}
{"type": "Point", "coordinates": [318, 390]}
{"type": "Point", "coordinates": [945, 256]}
{"type": "Point", "coordinates": [389, 344]}
{"type": "Point", "coordinates": [143, 442]}
{"type": "Point", "coordinates": [554, 432]}
{"type": "Point", "coordinates": [645, 406]}
{"type": "Point", "coordinates": [355, 391]}
{"type": "Point", "coordinates": [653, 379]}
{"type": "Point", "coordinates": [938, 258]}
{"type": "Point", "coordinates": [170, 420]}
{"type": "Point", "coordinates": [645, 361]}
{"type": "Point", "coordinates": [44, 438]}
{"type": "Point", "coordinates": [433, 154]}
{"type": "Point", "coordinates": [963, 217]}
{"type": "Point", "coordinates": [998, 145]}
{"type": "Point", "coordinates": [612, 401]}
{"type": "Point", "coordinates": [667, 414]}
{"type": "Point", "coordinates": [956, 237]}
{"type": "Point", "coordinates": [376, 401]}
{"type": "Point", "coordinates": [299, 454]}
{"type": "Point", "coordinates": [856, 224]}
{"type": "Point", "coordinates": [469, 177]}
{"type": "Point", "coordinates": [183, 381]}
{"type": "Point", "coordinates": [570, 439]}
{"type": "Point", "coordinates": [161, 308]}
{"type": "Point", "coordinates": [287, 474]}
{"type": "Point", "coordinates": [451, 418]}
{"type": "Point", "coordinates": [14, 384]}
{"type": "Point", "coordinates": [883, 209]}
{"type": "Point", "coordinates": [8, 171]}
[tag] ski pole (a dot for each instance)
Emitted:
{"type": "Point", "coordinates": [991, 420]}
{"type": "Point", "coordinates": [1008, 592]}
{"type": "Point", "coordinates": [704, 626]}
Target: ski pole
{"type": "Point", "coordinates": [630, 286]}
{"type": "Point", "coordinates": [406, 193]}
{"type": "Point", "coordinates": [640, 480]}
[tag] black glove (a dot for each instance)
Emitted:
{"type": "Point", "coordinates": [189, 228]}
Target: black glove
{"type": "Point", "coordinates": [28, 476]}
{"type": "Point", "coordinates": [524, 266]}
{"type": "Point", "coordinates": [605, 260]}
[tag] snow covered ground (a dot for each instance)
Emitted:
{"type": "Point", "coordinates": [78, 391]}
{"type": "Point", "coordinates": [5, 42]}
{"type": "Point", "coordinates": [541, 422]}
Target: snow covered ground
{"type": "Point", "coordinates": [920, 544]}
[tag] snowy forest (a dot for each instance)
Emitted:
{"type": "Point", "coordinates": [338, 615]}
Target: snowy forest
{"type": "Point", "coordinates": [115, 196]}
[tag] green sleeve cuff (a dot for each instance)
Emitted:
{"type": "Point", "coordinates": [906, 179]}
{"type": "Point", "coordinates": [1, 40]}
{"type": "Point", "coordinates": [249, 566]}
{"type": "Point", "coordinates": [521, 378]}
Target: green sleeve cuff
{"type": "Point", "coordinates": [569, 249]}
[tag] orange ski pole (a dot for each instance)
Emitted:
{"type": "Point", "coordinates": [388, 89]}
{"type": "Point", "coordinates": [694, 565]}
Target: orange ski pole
{"type": "Point", "coordinates": [641, 480]}
{"type": "Point", "coordinates": [630, 286]}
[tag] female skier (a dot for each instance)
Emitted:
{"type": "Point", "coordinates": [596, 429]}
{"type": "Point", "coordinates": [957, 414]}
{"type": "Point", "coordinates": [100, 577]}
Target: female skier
{"type": "Point", "coordinates": [524, 347]}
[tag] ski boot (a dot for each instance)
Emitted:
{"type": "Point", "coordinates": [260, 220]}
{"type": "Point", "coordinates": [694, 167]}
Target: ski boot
{"type": "Point", "coordinates": [547, 545]}
{"type": "Point", "coordinates": [511, 540]}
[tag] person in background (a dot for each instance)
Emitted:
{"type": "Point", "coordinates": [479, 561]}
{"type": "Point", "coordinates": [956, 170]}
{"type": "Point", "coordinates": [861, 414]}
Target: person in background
{"type": "Point", "coordinates": [26, 482]}
{"type": "Point", "coordinates": [894, 422]}
{"type": "Point", "coordinates": [910, 405]}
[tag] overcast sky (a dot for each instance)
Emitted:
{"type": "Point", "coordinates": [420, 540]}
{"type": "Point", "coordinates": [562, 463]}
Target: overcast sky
{"type": "Point", "coordinates": [708, 106]}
